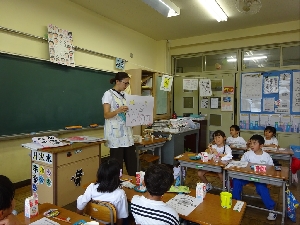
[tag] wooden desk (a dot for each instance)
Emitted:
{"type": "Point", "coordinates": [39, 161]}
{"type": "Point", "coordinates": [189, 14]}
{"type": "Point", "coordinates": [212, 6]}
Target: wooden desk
{"type": "Point", "coordinates": [208, 212]}
{"type": "Point", "coordinates": [286, 155]}
{"type": "Point", "coordinates": [151, 145]}
{"type": "Point", "coordinates": [56, 167]}
{"type": "Point", "coordinates": [271, 176]}
{"type": "Point", "coordinates": [64, 213]}
{"type": "Point", "coordinates": [212, 166]}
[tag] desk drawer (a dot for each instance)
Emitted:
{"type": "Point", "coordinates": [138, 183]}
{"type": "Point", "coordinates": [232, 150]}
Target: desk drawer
{"type": "Point", "coordinates": [256, 178]}
{"type": "Point", "coordinates": [198, 166]}
{"type": "Point", "coordinates": [77, 154]}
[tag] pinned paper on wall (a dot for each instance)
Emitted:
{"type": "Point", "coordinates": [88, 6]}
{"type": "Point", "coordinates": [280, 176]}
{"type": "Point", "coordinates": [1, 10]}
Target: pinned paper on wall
{"type": "Point", "coordinates": [274, 120]}
{"type": "Point", "coordinates": [246, 104]}
{"type": "Point", "coordinates": [244, 120]}
{"type": "Point", "coordinates": [251, 85]}
{"type": "Point", "coordinates": [296, 92]}
{"type": "Point", "coordinates": [166, 83]}
{"type": "Point", "coordinates": [254, 120]}
{"type": "Point", "coordinates": [205, 87]}
{"type": "Point", "coordinates": [268, 104]}
{"type": "Point", "coordinates": [285, 119]}
{"type": "Point", "coordinates": [204, 103]}
{"type": "Point", "coordinates": [60, 46]}
{"type": "Point", "coordinates": [140, 110]}
{"type": "Point", "coordinates": [282, 110]}
{"type": "Point", "coordinates": [271, 84]}
{"type": "Point", "coordinates": [295, 119]}
{"type": "Point", "coordinates": [226, 102]}
{"type": "Point", "coordinates": [284, 86]}
{"type": "Point", "coordinates": [190, 84]}
{"type": "Point", "coordinates": [264, 120]}
{"type": "Point", "coordinates": [256, 105]}
{"type": "Point", "coordinates": [120, 63]}
{"type": "Point", "coordinates": [214, 103]}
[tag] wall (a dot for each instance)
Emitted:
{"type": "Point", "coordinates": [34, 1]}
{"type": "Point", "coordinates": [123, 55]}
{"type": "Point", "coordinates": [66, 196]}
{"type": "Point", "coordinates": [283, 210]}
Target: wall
{"type": "Point", "coordinates": [90, 31]}
{"type": "Point", "coordinates": [261, 35]}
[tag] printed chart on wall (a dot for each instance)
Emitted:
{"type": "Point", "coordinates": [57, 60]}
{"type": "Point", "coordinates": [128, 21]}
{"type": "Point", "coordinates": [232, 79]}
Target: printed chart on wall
{"type": "Point", "coordinates": [140, 110]}
{"type": "Point", "coordinates": [270, 99]}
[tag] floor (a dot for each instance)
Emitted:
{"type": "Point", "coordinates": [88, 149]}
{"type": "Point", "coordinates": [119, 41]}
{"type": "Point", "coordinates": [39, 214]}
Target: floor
{"type": "Point", "coordinates": [251, 217]}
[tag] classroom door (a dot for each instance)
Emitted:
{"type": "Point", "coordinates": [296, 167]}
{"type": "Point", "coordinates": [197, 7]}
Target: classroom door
{"type": "Point", "coordinates": [185, 102]}
{"type": "Point", "coordinates": [218, 117]}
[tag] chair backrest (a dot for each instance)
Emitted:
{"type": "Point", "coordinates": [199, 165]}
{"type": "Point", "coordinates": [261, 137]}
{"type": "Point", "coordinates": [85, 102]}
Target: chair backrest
{"type": "Point", "coordinates": [103, 211]}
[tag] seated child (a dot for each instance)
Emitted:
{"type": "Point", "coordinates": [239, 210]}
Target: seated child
{"type": "Point", "coordinates": [219, 149]}
{"type": "Point", "coordinates": [235, 139]}
{"type": "Point", "coordinates": [150, 209]}
{"type": "Point", "coordinates": [107, 188]}
{"type": "Point", "coordinates": [7, 202]}
{"type": "Point", "coordinates": [270, 137]}
{"type": "Point", "coordinates": [257, 155]}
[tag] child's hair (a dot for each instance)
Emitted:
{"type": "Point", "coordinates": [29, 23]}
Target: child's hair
{"type": "Point", "coordinates": [271, 129]}
{"type": "Point", "coordinates": [7, 192]}
{"type": "Point", "coordinates": [259, 138]}
{"type": "Point", "coordinates": [236, 127]}
{"type": "Point", "coordinates": [218, 133]}
{"type": "Point", "coordinates": [158, 179]}
{"type": "Point", "coordinates": [108, 176]}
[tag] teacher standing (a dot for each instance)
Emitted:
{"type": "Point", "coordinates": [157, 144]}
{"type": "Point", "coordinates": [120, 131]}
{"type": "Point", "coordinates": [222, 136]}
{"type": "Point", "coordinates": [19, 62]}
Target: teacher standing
{"type": "Point", "coordinates": [119, 137]}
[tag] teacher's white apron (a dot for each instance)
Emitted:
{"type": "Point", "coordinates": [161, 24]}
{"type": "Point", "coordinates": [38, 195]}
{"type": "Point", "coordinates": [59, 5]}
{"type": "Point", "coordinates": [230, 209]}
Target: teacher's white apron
{"type": "Point", "coordinates": [116, 132]}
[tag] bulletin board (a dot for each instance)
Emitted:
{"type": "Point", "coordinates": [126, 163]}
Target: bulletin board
{"type": "Point", "coordinates": [270, 99]}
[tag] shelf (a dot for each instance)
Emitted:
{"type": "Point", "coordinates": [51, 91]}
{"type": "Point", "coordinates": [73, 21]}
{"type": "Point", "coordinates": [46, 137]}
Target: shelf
{"type": "Point", "coordinates": [146, 88]}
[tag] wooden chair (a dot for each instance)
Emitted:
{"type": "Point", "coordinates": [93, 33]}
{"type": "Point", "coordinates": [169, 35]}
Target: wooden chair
{"type": "Point", "coordinates": [149, 158]}
{"type": "Point", "coordinates": [103, 211]}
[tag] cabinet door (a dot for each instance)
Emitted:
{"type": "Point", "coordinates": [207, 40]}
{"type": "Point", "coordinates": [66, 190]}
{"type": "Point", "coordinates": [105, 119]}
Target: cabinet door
{"type": "Point", "coordinates": [287, 139]}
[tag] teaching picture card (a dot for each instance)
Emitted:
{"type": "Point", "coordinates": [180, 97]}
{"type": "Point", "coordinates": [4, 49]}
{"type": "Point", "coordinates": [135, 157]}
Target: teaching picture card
{"type": "Point", "coordinates": [166, 83]}
{"type": "Point", "coordinates": [60, 46]}
{"type": "Point", "coordinates": [205, 87]}
{"type": "Point", "coordinates": [190, 84]}
{"type": "Point", "coordinates": [140, 110]}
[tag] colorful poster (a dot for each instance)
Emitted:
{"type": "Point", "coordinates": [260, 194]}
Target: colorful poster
{"type": "Point", "coordinates": [140, 110]}
{"type": "Point", "coordinates": [60, 46]}
{"type": "Point", "coordinates": [227, 102]}
{"type": "Point", "coordinates": [228, 90]}
{"type": "Point", "coordinates": [190, 84]}
{"type": "Point", "coordinates": [205, 87]}
{"type": "Point", "coordinates": [166, 83]}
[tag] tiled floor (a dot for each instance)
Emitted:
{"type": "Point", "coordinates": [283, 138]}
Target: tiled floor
{"type": "Point", "coordinates": [251, 217]}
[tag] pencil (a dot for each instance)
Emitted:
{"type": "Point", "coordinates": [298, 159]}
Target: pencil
{"type": "Point", "coordinates": [57, 218]}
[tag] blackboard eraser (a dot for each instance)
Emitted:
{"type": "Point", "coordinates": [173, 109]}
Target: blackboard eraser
{"type": "Point", "coordinates": [73, 127]}
{"type": "Point", "coordinates": [94, 125]}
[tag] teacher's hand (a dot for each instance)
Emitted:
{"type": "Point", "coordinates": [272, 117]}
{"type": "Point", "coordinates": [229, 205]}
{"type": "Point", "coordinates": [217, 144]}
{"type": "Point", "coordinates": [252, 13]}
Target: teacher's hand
{"type": "Point", "coordinates": [123, 109]}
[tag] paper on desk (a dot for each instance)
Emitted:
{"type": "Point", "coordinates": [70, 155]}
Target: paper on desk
{"type": "Point", "coordinates": [184, 204]}
{"type": "Point", "coordinates": [269, 148]}
{"type": "Point", "coordinates": [238, 164]}
{"type": "Point", "coordinates": [238, 206]}
{"type": "Point", "coordinates": [44, 221]}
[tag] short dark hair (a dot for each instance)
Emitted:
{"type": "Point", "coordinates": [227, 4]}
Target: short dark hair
{"type": "Point", "coordinates": [119, 76]}
{"type": "Point", "coordinates": [271, 129]}
{"type": "Point", "coordinates": [218, 133]}
{"type": "Point", "coordinates": [158, 179]}
{"type": "Point", "coordinates": [7, 192]}
{"type": "Point", "coordinates": [236, 127]}
{"type": "Point", "coordinates": [108, 176]}
{"type": "Point", "coordinates": [259, 138]}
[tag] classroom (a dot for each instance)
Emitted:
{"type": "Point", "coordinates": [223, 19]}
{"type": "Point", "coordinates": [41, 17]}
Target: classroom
{"type": "Point", "coordinates": [152, 45]}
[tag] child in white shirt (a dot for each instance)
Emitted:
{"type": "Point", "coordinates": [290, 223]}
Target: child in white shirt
{"type": "Point", "coordinates": [235, 140]}
{"type": "Point", "coordinates": [270, 137]}
{"type": "Point", "coordinates": [107, 188]}
{"type": "Point", "coordinates": [219, 149]}
{"type": "Point", "coordinates": [257, 155]}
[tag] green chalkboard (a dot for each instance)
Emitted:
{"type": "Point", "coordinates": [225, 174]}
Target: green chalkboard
{"type": "Point", "coordinates": [38, 95]}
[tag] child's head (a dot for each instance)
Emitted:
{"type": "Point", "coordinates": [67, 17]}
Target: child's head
{"type": "Point", "coordinates": [270, 132]}
{"type": "Point", "coordinates": [108, 176]}
{"type": "Point", "coordinates": [234, 130]}
{"type": "Point", "coordinates": [219, 137]}
{"type": "Point", "coordinates": [158, 179]}
{"type": "Point", "coordinates": [7, 193]}
{"type": "Point", "coordinates": [256, 142]}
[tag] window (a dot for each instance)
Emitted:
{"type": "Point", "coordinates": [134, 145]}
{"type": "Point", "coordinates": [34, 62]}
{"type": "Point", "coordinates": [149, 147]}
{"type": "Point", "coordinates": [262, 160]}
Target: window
{"type": "Point", "coordinates": [185, 65]}
{"type": "Point", "coordinates": [261, 58]}
{"type": "Point", "coordinates": [291, 55]}
{"type": "Point", "coordinates": [221, 61]}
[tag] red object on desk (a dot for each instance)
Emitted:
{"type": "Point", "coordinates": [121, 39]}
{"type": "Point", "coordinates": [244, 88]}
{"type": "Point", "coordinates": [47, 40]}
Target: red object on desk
{"type": "Point", "coordinates": [174, 115]}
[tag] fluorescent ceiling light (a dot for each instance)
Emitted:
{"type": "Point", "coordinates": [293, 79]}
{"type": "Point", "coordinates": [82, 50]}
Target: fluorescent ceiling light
{"type": "Point", "coordinates": [214, 9]}
{"type": "Point", "coordinates": [248, 58]}
{"type": "Point", "coordinates": [165, 7]}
